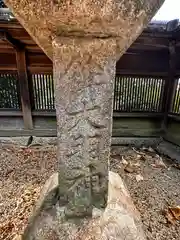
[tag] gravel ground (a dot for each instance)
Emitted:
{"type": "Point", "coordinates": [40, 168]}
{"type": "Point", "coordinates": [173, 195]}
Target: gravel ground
{"type": "Point", "coordinates": [23, 171]}
{"type": "Point", "coordinates": [153, 186]}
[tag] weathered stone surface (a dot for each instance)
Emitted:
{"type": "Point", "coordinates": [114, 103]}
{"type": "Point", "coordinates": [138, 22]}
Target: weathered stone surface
{"type": "Point", "coordinates": [84, 71]}
{"type": "Point", "coordinates": [84, 38]}
{"type": "Point", "coordinates": [121, 19]}
{"type": "Point", "coordinates": [119, 221]}
{"type": "Point", "coordinates": [49, 193]}
{"type": "Point", "coordinates": [48, 199]}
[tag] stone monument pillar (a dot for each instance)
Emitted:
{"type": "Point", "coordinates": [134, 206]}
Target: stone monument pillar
{"type": "Point", "coordinates": [84, 39]}
{"type": "Point", "coordinates": [84, 72]}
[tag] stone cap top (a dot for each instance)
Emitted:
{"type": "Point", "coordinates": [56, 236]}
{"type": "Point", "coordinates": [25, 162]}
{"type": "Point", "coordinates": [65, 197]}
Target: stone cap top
{"type": "Point", "coordinates": [154, 25]}
{"type": "Point", "coordinates": [120, 19]}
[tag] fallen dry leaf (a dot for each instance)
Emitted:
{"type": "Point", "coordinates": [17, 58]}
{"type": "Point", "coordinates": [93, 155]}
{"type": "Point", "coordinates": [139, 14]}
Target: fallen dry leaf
{"type": "Point", "coordinates": [169, 217]}
{"type": "Point", "coordinates": [149, 149]}
{"type": "Point", "coordinates": [139, 153]}
{"type": "Point", "coordinates": [130, 168]}
{"type": "Point", "coordinates": [139, 178]}
{"type": "Point", "coordinates": [124, 162]}
{"type": "Point", "coordinates": [141, 157]}
{"type": "Point", "coordinates": [136, 164]}
{"type": "Point", "coordinates": [23, 172]}
{"type": "Point", "coordinates": [172, 214]}
{"type": "Point", "coordinates": [159, 163]}
{"type": "Point", "coordinates": [175, 212]}
{"type": "Point", "coordinates": [138, 156]}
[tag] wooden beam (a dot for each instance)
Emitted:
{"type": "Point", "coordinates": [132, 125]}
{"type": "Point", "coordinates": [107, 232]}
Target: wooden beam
{"type": "Point", "coordinates": [10, 113]}
{"type": "Point", "coordinates": [174, 117]}
{"type": "Point", "coordinates": [169, 138]}
{"type": "Point", "coordinates": [16, 44]}
{"type": "Point", "coordinates": [170, 84]}
{"type": "Point", "coordinates": [4, 49]}
{"type": "Point", "coordinates": [146, 62]}
{"type": "Point", "coordinates": [148, 33]}
{"type": "Point", "coordinates": [148, 46]}
{"type": "Point", "coordinates": [137, 132]}
{"type": "Point", "coordinates": [15, 24]}
{"type": "Point", "coordinates": [51, 113]}
{"type": "Point", "coordinates": [40, 69]}
{"type": "Point", "coordinates": [48, 113]}
{"type": "Point", "coordinates": [53, 133]}
{"type": "Point", "coordinates": [140, 73]}
{"type": "Point", "coordinates": [136, 115]}
{"type": "Point", "coordinates": [24, 89]}
{"type": "Point", "coordinates": [25, 132]}
{"type": "Point", "coordinates": [33, 48]}
{"type": "Point", "coordinates": [153, 41]}
{"type": "Point", "coordinates": [8, 68]}
{"type": "Point", "coordinates": [6, 37]}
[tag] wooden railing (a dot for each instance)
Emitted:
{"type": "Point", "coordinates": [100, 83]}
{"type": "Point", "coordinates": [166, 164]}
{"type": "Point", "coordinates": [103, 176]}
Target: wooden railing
{"type": "Point", "coordinates": [132, 94]}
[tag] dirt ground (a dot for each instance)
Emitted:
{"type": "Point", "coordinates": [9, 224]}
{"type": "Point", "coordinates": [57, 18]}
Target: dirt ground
{"type": "Point", "coordinates": [23, 172]}
{"type": "Point", "coordinates": [153, 182]}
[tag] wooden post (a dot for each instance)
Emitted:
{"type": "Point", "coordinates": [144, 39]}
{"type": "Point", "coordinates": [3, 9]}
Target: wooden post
{"type": "Point", "coordinates": [24, 88]}
{"type": "Point", "coordinates": [170, 84]}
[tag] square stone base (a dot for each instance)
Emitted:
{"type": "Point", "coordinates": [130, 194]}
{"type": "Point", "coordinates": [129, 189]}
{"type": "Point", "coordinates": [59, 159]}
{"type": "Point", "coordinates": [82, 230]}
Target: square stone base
{"type": "Point", "coordinates": [120, 220]}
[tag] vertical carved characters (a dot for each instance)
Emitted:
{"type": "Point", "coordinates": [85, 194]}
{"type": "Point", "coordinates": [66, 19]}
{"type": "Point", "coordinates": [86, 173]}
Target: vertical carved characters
{"type": "Point", "coordinates": [84, 71]}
